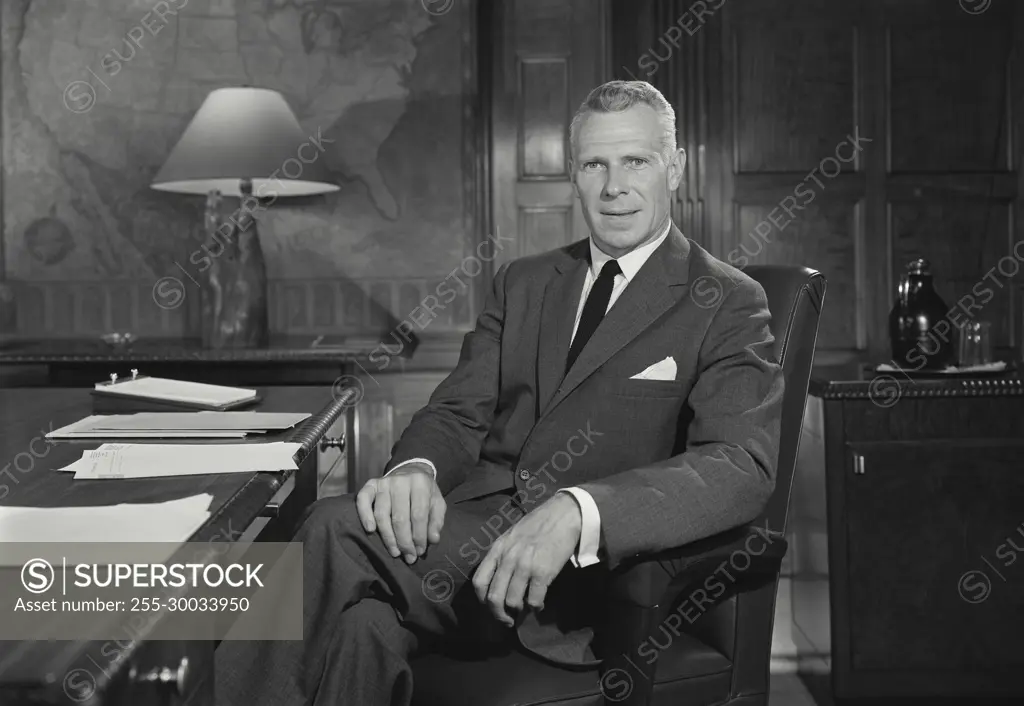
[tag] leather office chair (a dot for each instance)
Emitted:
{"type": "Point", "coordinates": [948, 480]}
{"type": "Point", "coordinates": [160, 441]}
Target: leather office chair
{"type": "Point", "coordinates": [716, 655]}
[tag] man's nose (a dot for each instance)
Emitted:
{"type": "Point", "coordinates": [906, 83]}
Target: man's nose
{"type": "Point", "coordinates": [616, 184]}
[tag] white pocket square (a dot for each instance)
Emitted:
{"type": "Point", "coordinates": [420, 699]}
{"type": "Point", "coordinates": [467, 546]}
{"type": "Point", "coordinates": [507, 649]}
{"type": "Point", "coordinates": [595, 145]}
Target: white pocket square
{"type": "Point", "coordinates": [662, 370]}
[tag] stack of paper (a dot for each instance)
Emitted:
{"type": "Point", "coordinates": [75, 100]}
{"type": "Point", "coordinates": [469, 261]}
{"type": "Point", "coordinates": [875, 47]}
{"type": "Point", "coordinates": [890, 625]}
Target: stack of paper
{"type": "Point", "coordinates": [176, 425]}
{"type": "Point", "coordinates": [172, 521]}
{"type": "Point", "coordinates": [164, 460]}
{"type": "Point", "coordinates": [178, 391]}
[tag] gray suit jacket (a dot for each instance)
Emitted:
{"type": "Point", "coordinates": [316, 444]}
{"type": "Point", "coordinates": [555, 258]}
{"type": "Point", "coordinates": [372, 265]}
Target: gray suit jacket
{"type": "Point", "coordinates": [667, 462]}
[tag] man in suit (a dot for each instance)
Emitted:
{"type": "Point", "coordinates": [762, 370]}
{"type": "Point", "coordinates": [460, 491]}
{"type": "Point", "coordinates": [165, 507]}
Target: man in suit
{"type": "Point", "coordinates": [616, 396]}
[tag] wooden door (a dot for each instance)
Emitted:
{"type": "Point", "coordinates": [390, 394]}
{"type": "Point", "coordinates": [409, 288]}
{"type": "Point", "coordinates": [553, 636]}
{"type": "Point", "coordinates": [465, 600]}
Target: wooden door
{"type": "Point", "coordinates": [548, 55]}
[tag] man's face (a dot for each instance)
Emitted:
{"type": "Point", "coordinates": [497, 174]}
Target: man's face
{"type": "Point", "coordinates": [622, 178]}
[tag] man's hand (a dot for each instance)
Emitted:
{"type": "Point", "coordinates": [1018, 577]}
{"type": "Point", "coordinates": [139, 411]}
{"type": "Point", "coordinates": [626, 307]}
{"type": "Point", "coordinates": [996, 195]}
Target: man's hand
{"type": "Point", "coordinates": [531, 553]}
{"type": "Point", "coordinates": [406, 508]}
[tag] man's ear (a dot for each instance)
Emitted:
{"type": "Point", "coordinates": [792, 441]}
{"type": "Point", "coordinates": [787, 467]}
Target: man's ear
{"type": "Point", "coordinates": [572, 177]}
{"type": "Point", "coordinates": [676, 168]}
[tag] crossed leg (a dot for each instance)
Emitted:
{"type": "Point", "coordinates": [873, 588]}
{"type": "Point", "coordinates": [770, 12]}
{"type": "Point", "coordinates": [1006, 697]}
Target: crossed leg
{"type": "Point", "coordinates": [366, 613]}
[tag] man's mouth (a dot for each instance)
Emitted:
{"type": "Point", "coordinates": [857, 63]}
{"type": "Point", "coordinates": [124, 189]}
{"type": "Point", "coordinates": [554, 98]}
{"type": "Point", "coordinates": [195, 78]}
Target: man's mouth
{"type": "Point", "coordinates": [619, 213]}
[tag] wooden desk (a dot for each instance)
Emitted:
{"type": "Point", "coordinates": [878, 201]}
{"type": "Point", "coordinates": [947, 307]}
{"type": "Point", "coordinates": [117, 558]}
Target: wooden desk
{"type": "Point", "coordinates": [287, 360]}
{"type": "Point", "coordinates": [905, 496]}
{"type": "Point", "coordinates": [246, 507]}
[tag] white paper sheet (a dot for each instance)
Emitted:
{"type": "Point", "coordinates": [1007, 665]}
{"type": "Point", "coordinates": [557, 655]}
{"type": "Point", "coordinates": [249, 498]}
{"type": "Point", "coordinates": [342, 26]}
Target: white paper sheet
{"type": "Point", "coordinates": [166, 460]}
{"type": "Point", "coordinates": [171, 521]}
{"type": "Point", "coordinates": [85, 429]}
{"type": "Point", "coordinates": [205, 420]}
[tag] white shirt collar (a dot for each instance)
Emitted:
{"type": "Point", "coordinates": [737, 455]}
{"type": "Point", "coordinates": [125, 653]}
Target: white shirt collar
{"type": "Point", "coordinates": [631, 262]}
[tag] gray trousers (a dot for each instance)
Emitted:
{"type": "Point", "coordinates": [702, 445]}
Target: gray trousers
{"type": "Point", "coordinates": [366, 613]}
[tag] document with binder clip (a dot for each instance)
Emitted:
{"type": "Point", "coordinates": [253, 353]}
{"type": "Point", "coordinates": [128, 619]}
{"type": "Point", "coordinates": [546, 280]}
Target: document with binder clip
{"type": "Point", "coordinates": [144, 393]}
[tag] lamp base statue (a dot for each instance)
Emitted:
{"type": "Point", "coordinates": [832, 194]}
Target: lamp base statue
{"type": "Point", "coordinates": [234, 290]}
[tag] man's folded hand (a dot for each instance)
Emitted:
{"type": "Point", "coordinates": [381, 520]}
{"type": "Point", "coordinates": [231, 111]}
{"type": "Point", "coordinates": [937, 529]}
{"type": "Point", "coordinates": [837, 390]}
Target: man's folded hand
{"type": "Point", "coordinates": [407, 509]}
{"type": "Point", "coordinates": [523, 562]}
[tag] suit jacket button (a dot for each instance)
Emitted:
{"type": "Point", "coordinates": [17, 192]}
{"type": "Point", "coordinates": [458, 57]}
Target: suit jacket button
{"type": "Point", "coordinates": [524, 474]}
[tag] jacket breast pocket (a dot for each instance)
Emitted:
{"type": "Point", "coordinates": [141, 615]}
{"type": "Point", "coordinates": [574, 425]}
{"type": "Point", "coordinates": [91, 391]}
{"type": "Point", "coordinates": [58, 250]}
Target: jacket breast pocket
{"type": "Point", "coordinates": [650, 388]}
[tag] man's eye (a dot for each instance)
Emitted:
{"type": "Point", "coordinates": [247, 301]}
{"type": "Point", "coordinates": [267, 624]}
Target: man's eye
{"type": "Point", "coordinates": [591, 165]}
{"type": "Point", "coordinates": [637, 161]}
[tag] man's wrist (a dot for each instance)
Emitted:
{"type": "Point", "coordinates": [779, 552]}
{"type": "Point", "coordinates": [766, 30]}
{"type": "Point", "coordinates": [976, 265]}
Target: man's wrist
{"type": "Point", "coordinates": [412, 468]}
{"type": "Point", "coordinates": [426, 465]}
{"type": "Point", "coordinates": [589, 538]}
{"type": "Point", "coordinates": [575, 512]}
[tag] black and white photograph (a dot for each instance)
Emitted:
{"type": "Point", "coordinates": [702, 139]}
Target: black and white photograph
{"type": "Point", "coordinates": [511, 352]}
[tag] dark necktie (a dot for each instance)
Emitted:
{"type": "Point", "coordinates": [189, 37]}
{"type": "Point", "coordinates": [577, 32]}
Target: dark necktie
{"type": "Point", "coordinates": [593, 310]}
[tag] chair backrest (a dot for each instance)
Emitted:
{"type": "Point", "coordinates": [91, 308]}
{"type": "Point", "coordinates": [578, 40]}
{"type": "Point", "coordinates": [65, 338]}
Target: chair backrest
{"type": "Point", "coordinates": [795, 298]}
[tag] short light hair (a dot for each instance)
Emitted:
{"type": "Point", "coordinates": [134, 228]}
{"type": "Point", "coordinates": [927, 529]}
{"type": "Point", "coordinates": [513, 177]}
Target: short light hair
{"type": "Point", "coordinates": [616, 96]}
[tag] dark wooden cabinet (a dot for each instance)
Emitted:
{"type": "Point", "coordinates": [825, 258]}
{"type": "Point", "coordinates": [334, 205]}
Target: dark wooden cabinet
{"type": "Point", "coordinates": [908, 538]}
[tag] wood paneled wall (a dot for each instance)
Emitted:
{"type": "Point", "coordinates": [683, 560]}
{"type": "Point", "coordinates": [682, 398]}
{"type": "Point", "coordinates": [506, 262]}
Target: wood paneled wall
{"type": "Point", "coordinates": [851, 137]}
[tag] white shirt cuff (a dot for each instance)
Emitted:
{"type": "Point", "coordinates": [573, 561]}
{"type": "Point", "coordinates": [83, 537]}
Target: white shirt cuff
{"type": "Point", "coordinates": [433, 469]}
{"type": "Point", "coordinates": [590, 532]}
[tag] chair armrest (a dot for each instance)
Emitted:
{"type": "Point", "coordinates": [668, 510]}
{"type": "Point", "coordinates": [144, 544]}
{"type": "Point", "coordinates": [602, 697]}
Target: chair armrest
{"type": "Point", "coordinates": [650, 580]}
{"type": "Point", "coordinates": [643, 585]}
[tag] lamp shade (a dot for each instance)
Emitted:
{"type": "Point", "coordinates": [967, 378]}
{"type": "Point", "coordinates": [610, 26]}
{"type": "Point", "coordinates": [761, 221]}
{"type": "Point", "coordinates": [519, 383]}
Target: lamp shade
{"type": "Point", "coordinates": [246, 133]}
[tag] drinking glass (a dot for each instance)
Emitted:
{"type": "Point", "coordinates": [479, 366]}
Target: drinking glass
{"type": "Point", "coordinates": [975, 344]}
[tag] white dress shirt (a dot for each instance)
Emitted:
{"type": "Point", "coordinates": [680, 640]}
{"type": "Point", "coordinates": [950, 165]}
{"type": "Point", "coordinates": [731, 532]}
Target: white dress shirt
{"type": "Point", "coordinates": [630, 264]}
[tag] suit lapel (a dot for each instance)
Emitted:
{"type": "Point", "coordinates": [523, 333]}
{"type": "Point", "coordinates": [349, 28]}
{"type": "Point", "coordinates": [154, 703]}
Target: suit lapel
{"type": "Point", "coordinates": [558, 314]}
{"type": "Point", "coordinates": [646, 298]}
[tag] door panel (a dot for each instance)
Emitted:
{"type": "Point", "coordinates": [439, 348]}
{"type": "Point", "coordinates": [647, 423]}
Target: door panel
{"type": "Point", "coordinates": [552, 53]}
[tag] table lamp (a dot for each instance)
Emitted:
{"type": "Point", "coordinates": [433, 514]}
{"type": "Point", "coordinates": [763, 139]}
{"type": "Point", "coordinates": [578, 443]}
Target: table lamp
{"type": "Point", "coordinates": [244, 143]}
